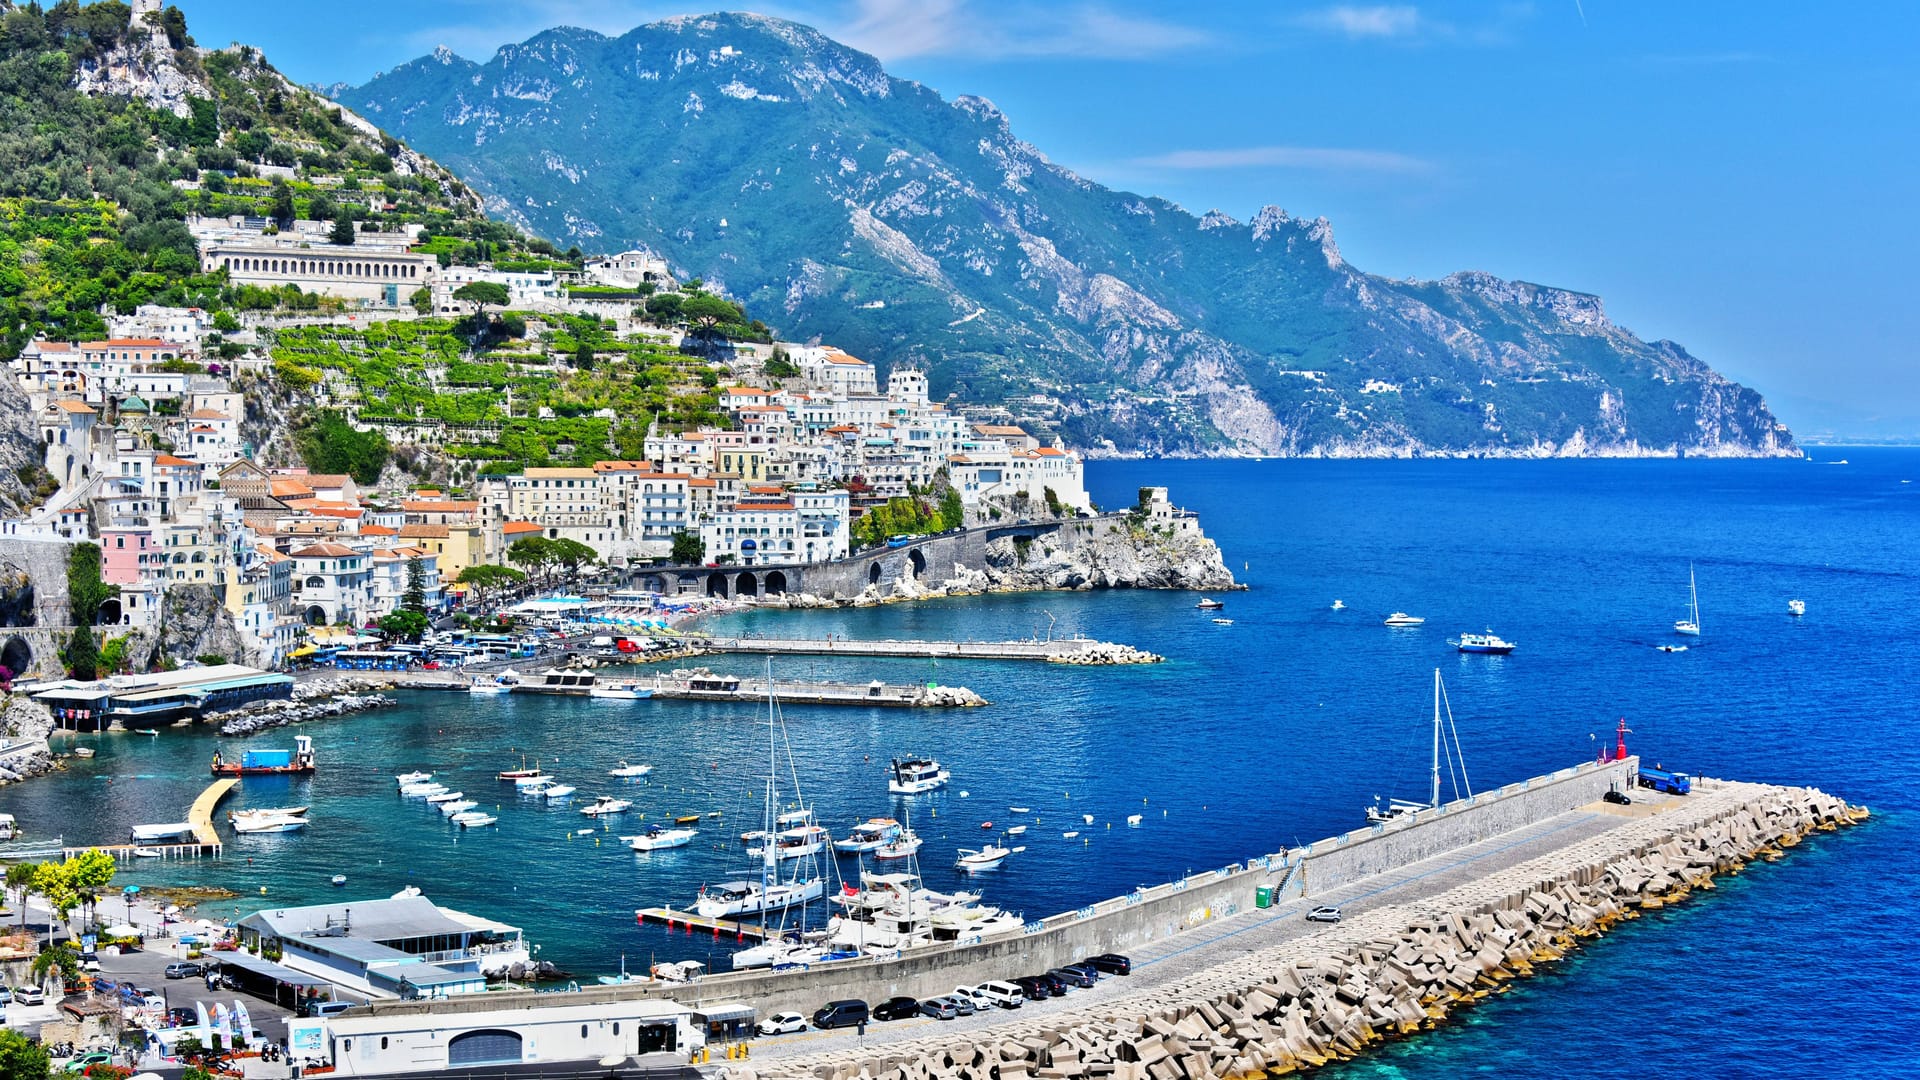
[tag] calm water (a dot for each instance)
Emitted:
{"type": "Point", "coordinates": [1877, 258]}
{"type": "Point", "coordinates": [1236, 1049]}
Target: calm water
{"type": "Point", "coordinates": [1275, 729]}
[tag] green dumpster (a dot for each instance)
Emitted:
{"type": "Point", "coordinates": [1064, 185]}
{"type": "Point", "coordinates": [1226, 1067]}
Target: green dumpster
{"type": "Point", "coordinates": [1262, 897]}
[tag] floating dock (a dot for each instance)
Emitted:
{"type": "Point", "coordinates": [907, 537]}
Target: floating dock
{"type": "Point", "coordinates": [876, 693]}
{"type": "Point", "coordinates": [688, 921]}
{"type": "Point", "coordinates": [206, 839]}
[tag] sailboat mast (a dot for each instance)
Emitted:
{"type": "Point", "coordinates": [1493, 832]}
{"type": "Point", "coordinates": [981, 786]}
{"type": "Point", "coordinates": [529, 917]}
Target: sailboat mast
{"type": "Point", "coordinates": [1693, 588]}
{"type": "Point", "coordinates": [1434, 799]}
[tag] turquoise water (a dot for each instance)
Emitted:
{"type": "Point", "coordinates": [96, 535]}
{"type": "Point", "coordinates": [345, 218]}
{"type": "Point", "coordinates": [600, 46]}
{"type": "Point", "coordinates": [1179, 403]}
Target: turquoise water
{"type": "Point", "coordinates": [1273, 730]}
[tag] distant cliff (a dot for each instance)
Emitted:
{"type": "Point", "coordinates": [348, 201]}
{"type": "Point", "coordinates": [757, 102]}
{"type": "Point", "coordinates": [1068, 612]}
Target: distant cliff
{"type": "Point", "coordinates": [867, 211]}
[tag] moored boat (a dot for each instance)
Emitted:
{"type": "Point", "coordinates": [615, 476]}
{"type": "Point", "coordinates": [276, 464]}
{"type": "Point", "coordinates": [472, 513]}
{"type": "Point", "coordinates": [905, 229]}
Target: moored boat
{"type": "Point", "coordinates": [657, 838]}
{"type": "Point", "coordinates": [607, 804]}
{"type": "Point", "coordinates": [628, 772]}
{"type": "Point", "coordinates": [416, 777]}
{"type": "Point", "coordinates": [1488, 643]}
{"type": "Point", "coordinates": [1207, 603]}
{"type": "Point", "coordinates": [869, 835]}
{"type": "Point", "coordinates": [977, 860]}
{"type": "Point", "coordinates": [461, 806]}
{"type": "Point", "coordinates": [296, 762]}
{"type": "Point", "coordinates": [556, 792]}
{"type": "Point", "coordinates": [474, 819]}
{"type": "Point", "coordinates": [916, 776]}
{"type": "Point", "coordinates": [904, 845]}
{"type": "Point", "coordinates": [620, 692]}
{"type": "Point", "coordinates": [268, 824]}
{"type": "Point", "coordinates": [731, 898]}
{"type": "Point", "coordinates": [1401, 618]}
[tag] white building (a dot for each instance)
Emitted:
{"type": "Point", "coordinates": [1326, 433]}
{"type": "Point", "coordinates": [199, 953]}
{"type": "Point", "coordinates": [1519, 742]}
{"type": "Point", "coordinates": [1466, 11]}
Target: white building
{"type": "Point", "coordinates": [396, 1041]}
{"type": "Point", "coordinates": [332, 583]}
{"type": "Point", "coordinates": [629, 269]}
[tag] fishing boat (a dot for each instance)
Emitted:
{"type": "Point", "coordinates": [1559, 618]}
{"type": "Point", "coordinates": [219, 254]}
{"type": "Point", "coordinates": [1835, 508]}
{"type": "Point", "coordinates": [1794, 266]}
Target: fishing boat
{"type": "Point", "coordinates": [1690, 626]}
{"type": "Point", "coordinates": [268, 824]}
{"type": "Point", "coordinates": [295, 762]}
{"type": "Point", "coordinates": [556, 792]}
{"type": "Point", "coordinates": [620, 692]}
{"type": "Point", "coordinates": [453, 809]}
{"type": "Point", "coordinates": [1488, 643]}
{"type": "Point", "coordinates": [1446, 743]}
{"type": "Point", "coordinates": [657, 838]}
{"type": "Point", "coordinates": [607, 804]}
{"type": "Point", "coordinates": [628, 772]}
{"type": "Point", "coordinates": [916, 776]}
{"type": "Point", "coordinates": [1208, 603]}
{"type": "Point", "coordinates": [474, 819]}
{"type": "Point", "coordinates": [904, 845]}
{"type": "Point", "coordinates": [406, 778]}
{"type": "Point", "coordinates": [1796, 607]}
{"type": "Point", "coordinates": [867, 836]}
{"type": "Point", "coordinates": [524, 772]}
{"type": "Point", "coordinates": [1401, 618]}
{"type": "Point", "coordinates": [978, 860]}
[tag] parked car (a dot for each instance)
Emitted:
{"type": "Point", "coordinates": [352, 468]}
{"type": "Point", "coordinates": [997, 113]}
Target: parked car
{"type": "Point", "coordinates": [184, 1017]}
{"type": "Point", "coordinates": [182, 969]}
{"type": "Point", "coordinates": [785, 1023]}
{"type": "Point", "coordinates": [1033, 988]}
{"type": "Point", "coordinates": [87, 1061]}
{"type": "Point", "coordinates": [1111, 964]}
{"type": "Point", "coordinates": [329, 1008]}
{"type": "Point", "coordinates": [939, 1008]}
{"type": "Point", "coordinates": [1324, 914]}
{"type": "Point", "coordinates": [1055, 984]}
{"type": "Point", "coordinates": [1004, 994]}
{"type": "Point", "coordinates": [1075, 975]}
{"type": "Point", "coordinates": [896, 1008]}
{"type": "Point", "coordinates": [29, 995]}
{"type": "Point", "coordinates": [963, 1004]}
{"type": "Point", "coordinates": [840, 1014]}
{"type": "Point", "coordinates": [973, 994]}
{"type": "Point", "coordinates": [6, 996]}
{"type": "Point", "coordinates": [1618, 797]}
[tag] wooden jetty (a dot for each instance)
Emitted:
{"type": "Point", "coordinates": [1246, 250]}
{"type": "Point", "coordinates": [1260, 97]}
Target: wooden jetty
{"type": "Point", "coordinates": [206, 839]}
{"type": "Point", "coordinates": [688, 921]}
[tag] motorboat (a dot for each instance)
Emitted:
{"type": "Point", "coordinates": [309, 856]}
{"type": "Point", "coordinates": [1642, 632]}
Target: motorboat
{"type": "Point", "coordinates": [791, 951]}
{"type": "Point", "coordinates": [147, 853]}
{"type": "Point", "coordinates": [556, 792]}
{"type": "Point", "coordinates": [474, 819]}
{"type": "Point", "coordinates": [502, 683]}
{"type": "Point", "coordinates": [1690, 626]}
{"type": "Point", "coordinates": [1401, 618]}
{"type": "Point", "coordinates": [445, 797]}
{"type": "Point", "coordinates": [1488, 643]}
{"type": "Point", "coordinates": [1208, 603]}
{"type": "Point", "coordinates": [628, 772]}
{"type": "Point", "coordinates": [83, 751]}
{"type": "Point", "coordinates": [150, 834]}
{"type": "Point", "coordinates": [406, 778]}
{"type": "Point", "coordinates": [607, 804]}
{"type": "Point", "coordinates": [535, 779]}
{"type": "Point", "coordinates": [268, 811]}
{"type": "Point", "coordinates": [1018, 830]}
{"type": "Point", "coordinates": [268, 824]}
{"type": "Point", "coordinates": [869, 835]}
{"type": "Point", "coordinates": [454, 809]}
{"type": "Point", "coordinates": [1019, 810]}
{"type": "Point", "coordinates": [1339, 605]}
{"type": "Point", "coordinates": [977, 860]}
{"type": "Point", "coordinates": [1223, 622]}
{"type": "Point", "coordinates": [422, 791]}
{"type": "Point", "coordinates": [1446, 741]}
{"type": "Point", "coordinates": [1671, 648]}
{"type": "Point", "coordinates": [657, 838]}
{"type": "Point", "coordinates": [903, 845]}
{"type": "Point", "coordinates": [1086, 819]}
{"type": "Point", "coordinates": [1074, 835]}
{"type": "Point", "coordinates": [916, 776]}
{"type": "Point", "coordinates": [620, 692]}
{"type": "Point", "coordinates": [339, 880]}
{"type": "Point", "coordinates": [1133, 821]}
{"type": "Point", "coordinates": [1796, 607]}
{"type": "Point", "coordinates": [731, 898]}
{"type": "Point", "coordinates": [794, 843]}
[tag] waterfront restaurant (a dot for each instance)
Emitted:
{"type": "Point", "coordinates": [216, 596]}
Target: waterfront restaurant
{"type": "Point", "coordinates": [160, 698]}
{"type": "Point", "coordinates": [403, 948]}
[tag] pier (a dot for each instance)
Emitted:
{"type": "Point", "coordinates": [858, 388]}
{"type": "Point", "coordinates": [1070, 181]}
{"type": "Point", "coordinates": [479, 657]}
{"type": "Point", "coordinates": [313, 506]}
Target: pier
{"type": "Point", "coordinates": [874, 694]}
{"type": "Point", "coordinates": [1050, 650]}
{"type": "Point", "coordinates": [688, 921]}
{"type": "Point", "coordinates": [206, 839]}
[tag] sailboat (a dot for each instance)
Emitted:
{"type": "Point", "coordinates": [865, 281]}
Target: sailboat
{"type": "Point", "coordinates": [1690, 625]}
{"type": "Point", "coordinates": [787, 835]}
{"type": "Point", "coordinates": [1446, 740]}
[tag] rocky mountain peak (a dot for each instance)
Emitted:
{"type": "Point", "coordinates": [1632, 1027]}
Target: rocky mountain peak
{"type": "Point", "coordinates": [1270, 220]}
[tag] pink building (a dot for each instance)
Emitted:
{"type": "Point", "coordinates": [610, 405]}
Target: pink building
{"type": "Point", "coordinates": [124, 552]}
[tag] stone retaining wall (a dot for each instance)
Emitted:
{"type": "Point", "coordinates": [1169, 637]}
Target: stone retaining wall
{"type": "Point", "coordinates": [1391, 971]}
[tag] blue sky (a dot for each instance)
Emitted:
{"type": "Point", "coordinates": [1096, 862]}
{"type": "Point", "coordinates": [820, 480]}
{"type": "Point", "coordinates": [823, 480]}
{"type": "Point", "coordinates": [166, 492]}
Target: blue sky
{"type": "Point", "coordinates": [1738, 178]}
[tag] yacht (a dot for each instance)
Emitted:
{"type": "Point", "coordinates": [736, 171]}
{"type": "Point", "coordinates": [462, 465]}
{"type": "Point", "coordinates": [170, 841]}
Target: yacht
{"type": "Point", "coordinates": [657, 838]}
{"type": "Point", "coordinates": [1488, 643]}
{"type": "Point", "coordinates": [1446, 741]}
{"type": "Point", "coordinates": [890, 911]}
{"type": "Point", "coordinates": [607, 804]}
{"type": "Point", "coordinates": [1690, 626]}
{"type": "Point", "coordinates": [970, 925]}
{"type": "Point", "coordinates": [793, 843]}
{"type": "Point", "coordinates": [1796, 607]}
{"type": "Point", "coordinates": [1401, 618]}
{"type": "Point", "coordinates": [628, 772]}
{"type": "Point", "coordinates": [453, 809]}
{"type": "Point", "coordinates": [731, 898]}
{"type": "Point", "coordinates": [916, 776]}
{"type": "Point", "coordinates": [869, 835]}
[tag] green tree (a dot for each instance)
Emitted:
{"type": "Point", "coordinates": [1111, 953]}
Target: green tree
{"type": "Point", "coordinates": [415, 598]}
{"type": "Point", "coordinates": [422, 300]}
{"type": "Point", "coordinates": [706, 314]}
{"type": "Point", "coordinates": [329, 444]}
{"type": "Point", "coordinates": [281, 208]}
{"type": "Point", "coordinates": [21, 1058]}
{"type": "Point", "coordinates": [780, 365]}
{"type": "Point", "coordinates": [82, 654]}
{"type": "Point", "coordinates": [534, 552]}
{"type": "Point", "coordinates": [570, 556]}
{"type": "Point", "coordinates": [663, 307]}
{"type": "Point", "coordinates": [89, 873]}
{"type": "Point", "coordinates": [342, 233]}
{"type": "Point", "coordinates": [86, 589]}
{"type": "Point", "coordinates": [583, 357]}
{"type": "Point", "coordinates": [403, 625]}
{"type": "Point", "coordinates": [688, 549]}
{"type": "Point", "coordinates": [953, 513]}
{"type": "Point", "coordinates": [20, 882]}
{"type": "Point", "coordinates": [483, 293]}
{"type": "Point", "coordinates": [55, 885]}
{"type": "Point", "coordinates": [59, 960]}
{"type": "Point", "coordinates": [484, 578]}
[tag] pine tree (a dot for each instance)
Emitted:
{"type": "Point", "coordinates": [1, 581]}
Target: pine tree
{"type": "Point", "coordinates": [342, 229]}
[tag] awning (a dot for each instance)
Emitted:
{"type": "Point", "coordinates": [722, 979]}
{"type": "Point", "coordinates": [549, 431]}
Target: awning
{"type": "Point", "coordinates": [268, 969]}
{"type": "Point", "coordinates": [725, 1012]}
{"type": "Point", "coordinates": [304, 650]}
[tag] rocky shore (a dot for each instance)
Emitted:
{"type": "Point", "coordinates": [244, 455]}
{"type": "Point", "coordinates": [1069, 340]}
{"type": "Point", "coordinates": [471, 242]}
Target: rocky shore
{"type": "Point", "coordinates": [316, 699]}
{"type": "Point", "coordinates": [1105, 654]}
{"type": "Point", "coordinates": [25, 724]}
{"type": "Point", "coordinates": [1385, 973]}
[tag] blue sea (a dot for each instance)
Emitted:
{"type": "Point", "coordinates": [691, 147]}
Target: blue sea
{"type": "Point", "coordinates": [1275, 730]}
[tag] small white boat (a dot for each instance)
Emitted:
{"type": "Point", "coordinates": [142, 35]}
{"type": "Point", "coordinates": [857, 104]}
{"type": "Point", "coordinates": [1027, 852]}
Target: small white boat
{"type": "Point", "coordinates": [657, 838]}
{"type": "Point", "coordinates": [1069, 835]}
{"type": "Point", "coordinates": [583, 832]}
{"type": "Point", "coordinates": [1207, 603]}
{"type": "Point", "coordinates": [1016, 830]}
{"type": "Point", "coordinates": [1690, 626]}
{"type": "Point", "coordinates": [626, 771]}
{"type": "Point", "coordinates": [146, 853]}
{"type": "Point", "coordinates": [453, 808]}
{"type": "Point", "coordinates": [482, 687]}
{"type": "Point", "coordinates": [870, 835]}
{"type": "Point", "coordinates": [607, 804]}
{"type": "Point", "coordinates": [406, 778]}
{"type": "Point", "coordinates": [83, 751]}
{"type": "Point", "coordinates": [902, 846]}
{"type": "Point", "coordinates": [1796, 607]}
{"type": "Point", "coordinates": [532, 780]}
{"type": "Point", "coordinates": [339, 879]}
{"type": "Point", "coordinates": [1019, 810]}
{"type": "Point", "coordinates": [1401, 618]}
{"type": "Point", "coordinates": [557, 792]}
{"type": "Point", "coordinates": [974, 861]}
{"type": "Point", "coordinates": [620, 692]}
{"type": "Point", "coordinates": [1671, 648]}
{"type": "Point", "coordinates": [421, 791]}
{"type": "Point", "coordinates": [916, 776]}
{"type": "Point", "coordinates": [1086, 819]}
{"type": "Point", "coordinates": [1339, 606]}
{"type": "Point", "coordinates": [1223, 622]}
{"type": "Point", "coordinates": [1133, 821]}
{"type": "Point", "coordinates": [279, 824]}
{"type": "Point", "coordinates": [446, 797]}
{"type": "Point", "coordinates": [268, 811]}
{"type": "Point", "coordinates": [474, 819]}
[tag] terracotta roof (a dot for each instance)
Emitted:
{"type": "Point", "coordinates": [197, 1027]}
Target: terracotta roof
{"type": "Point", "coordinates": [622, 466]}
{"type": "Point", "coordinates": [428, 493]}
{"type": "Point", "coordinates": [170, 460]}
{"type": "Point", "coordinates": [560, 474]}
{"type": "Point", "coordinates": [747, 391]}
{"type": "Point", "coordinates": [843, 429]}
{"type": "Point", "coordinates": [378, 530]}
{"type": "Point", "coordinates": [700, 481]}
{"type": "Point", "coordinates": [75, 406]}
{"type": "Point", "coordinates": [999, 429]}
{"type": "Point", "coordinates": [334, 510]}
{"type": "Point", "coordinates": [835, 356]}
{"type": "Point", "coordinates": [431, 532]}
{"type": "Point", "coordinates": [324, 551]}
{"type": "Point", "coordinates": [512, 527]}
{"type": "Point", "coordinates": [281, 489]}
{"type": "Point", "coordinates": [439, 506]}
{"type": "Point", "coordinates": [125, 343]}
{"type": "Point", "coordinates": [207, 414]}
{"type": "Point", "coordinates": [317, 481]}
{"type": "Point", "coordinates": [54, 346]}
{"type": "Point", "coordinates": [200, 428]}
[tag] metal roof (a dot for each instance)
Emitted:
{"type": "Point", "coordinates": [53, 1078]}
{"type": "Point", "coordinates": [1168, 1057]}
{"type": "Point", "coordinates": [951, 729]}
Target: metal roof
{"type": "Point", "coordinates": [367, 920]}
{"type": "Point", "coordinates": [279, 972]}
{"type": "Point", "coordinates": [724, 1011]}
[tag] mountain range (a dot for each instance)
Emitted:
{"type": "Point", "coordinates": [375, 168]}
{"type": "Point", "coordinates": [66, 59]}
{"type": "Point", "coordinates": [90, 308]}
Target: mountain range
{"type": "Point", "coordinates": [847, 205]}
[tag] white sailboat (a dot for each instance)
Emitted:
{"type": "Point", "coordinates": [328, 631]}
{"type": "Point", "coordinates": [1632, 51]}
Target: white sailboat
{"type": "Point", "coordinates": [1690, 625]}
{"type": "Point", "coordinates": [1446, 742]}
{"type": "Point", "coordinates": [789, 835]}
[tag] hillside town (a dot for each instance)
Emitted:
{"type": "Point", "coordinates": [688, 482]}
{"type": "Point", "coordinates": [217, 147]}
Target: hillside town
{"type": "Point", "coordinates": [143, 436]}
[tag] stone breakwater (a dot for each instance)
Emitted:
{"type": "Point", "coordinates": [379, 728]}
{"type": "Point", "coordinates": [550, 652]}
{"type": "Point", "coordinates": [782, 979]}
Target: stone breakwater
{"type": "Point", "coordinates": [1106, 653]}
{"type": "Point", "coordinates": [316, 699]}
{"type": "Point", "coordinates": [1389, 972]}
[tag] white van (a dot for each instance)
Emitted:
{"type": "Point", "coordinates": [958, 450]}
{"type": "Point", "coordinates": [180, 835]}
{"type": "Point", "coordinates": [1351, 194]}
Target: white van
{"type": "Point", "coordinates": [1004, 994]}
{"type": "Point", "coordinates": [601, 642]}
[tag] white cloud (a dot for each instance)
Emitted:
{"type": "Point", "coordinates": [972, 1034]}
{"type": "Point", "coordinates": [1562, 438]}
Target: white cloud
{"type": "Point", "coordinates": [1374, 21]}
{"type": "Point", "coordinates": [1321, 158]}
{"type": "Point", "coordinates": [896, 29]}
